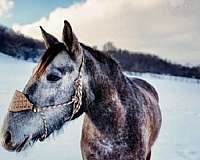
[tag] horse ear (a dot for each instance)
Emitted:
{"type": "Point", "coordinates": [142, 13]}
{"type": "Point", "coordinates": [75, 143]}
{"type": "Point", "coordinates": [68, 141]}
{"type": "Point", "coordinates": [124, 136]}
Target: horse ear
{"type": "Point", "coordinates": [70, 40]}
{"type": "Point", "coordinates": [49, 40]}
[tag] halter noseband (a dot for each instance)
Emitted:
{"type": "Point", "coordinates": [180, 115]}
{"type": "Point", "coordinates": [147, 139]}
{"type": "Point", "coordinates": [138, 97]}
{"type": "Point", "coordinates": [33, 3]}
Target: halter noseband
{"type": "Point", "coordinates": [21, 103]}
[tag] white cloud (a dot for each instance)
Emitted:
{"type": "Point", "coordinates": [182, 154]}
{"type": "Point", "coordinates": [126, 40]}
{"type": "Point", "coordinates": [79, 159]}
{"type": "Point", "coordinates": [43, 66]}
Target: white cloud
{"type": "Point", "coordinates": [5, 5]}
{"type": "Point", "coordinates": [151, 26]}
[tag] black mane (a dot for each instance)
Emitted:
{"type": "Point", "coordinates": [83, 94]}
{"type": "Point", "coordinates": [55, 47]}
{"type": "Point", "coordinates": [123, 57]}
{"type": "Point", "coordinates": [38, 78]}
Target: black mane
{"type": "Point", "coordinates": [102, 57]}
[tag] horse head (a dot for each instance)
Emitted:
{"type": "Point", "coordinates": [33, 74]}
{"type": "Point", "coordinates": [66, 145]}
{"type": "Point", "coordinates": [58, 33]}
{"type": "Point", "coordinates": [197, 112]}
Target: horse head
{"type": "Point", "coordinates": [52, 95]}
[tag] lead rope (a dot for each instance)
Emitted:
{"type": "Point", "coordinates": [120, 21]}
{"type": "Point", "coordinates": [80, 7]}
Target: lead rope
{"type": "Point", "coordinates": [77, 99]}
{"type": "Point", "coordinates": [45, 126]}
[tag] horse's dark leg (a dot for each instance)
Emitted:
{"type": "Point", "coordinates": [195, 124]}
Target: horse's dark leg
{"type": "Point", "coordinates": [148, 156]}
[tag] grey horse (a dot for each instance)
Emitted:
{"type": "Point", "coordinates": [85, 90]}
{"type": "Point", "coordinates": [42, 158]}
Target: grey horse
{"type": "Point", "coordinates": [122, 115]}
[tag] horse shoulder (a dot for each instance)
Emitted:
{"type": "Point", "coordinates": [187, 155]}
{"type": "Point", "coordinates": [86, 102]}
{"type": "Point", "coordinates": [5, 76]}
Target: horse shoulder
{"type": "Point", "coordinates": [145, 85]}
{"type": "Point", "coordinates": [153, 113]}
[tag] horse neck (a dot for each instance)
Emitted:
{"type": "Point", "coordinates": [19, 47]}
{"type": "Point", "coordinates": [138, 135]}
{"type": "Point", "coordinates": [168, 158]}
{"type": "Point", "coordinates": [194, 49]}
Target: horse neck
{"type": "Point", "coordinates": [106, 86]}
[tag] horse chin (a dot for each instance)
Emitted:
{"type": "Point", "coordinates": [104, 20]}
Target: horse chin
{"type": "Point", "coordinates": [32, 139]}
{"type": "Point", "coordinates": [35, 138]}
{"type": "Point", "coordinates": [23, 146]}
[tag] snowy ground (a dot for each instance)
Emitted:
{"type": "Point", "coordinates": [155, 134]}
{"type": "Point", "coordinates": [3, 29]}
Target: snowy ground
{"type": "Point", "coordinates": [179, 136]}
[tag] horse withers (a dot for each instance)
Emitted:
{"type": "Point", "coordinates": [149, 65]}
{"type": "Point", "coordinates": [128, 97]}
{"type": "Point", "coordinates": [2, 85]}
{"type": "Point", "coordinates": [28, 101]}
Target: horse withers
{"type": "Point", "coordinates": [122, 115]}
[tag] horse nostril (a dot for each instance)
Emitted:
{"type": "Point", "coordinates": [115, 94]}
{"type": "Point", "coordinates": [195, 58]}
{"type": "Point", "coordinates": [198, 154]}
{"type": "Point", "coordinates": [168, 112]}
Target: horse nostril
{"type": "Point", "coordinates": [7, 137]}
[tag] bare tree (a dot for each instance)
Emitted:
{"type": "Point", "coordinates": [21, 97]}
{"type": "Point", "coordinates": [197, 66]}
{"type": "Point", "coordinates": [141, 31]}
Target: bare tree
{"type": "Point", "coordinates": [109, 46]}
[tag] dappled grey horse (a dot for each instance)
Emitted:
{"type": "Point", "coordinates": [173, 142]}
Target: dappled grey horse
{"type": "Point", "coordinates": [122, 115]}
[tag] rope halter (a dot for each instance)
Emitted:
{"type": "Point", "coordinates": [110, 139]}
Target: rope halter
{"type": "Point", "coordinates": [21, 103]}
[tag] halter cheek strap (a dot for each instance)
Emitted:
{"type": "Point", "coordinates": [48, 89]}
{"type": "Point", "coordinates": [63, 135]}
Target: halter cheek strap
{"type": "Point", "coordinates": [21, 103]}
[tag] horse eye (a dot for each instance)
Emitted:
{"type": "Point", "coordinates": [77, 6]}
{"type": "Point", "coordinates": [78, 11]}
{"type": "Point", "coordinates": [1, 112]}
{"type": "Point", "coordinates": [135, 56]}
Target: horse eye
{"type": "Point", "coordinates": [53, 78]}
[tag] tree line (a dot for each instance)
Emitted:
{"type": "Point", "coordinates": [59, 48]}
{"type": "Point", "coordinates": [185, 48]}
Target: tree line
{"type": "Point", "coordinates": [19, 46]}
{"type": "Point", "coordinates": [146, 63]}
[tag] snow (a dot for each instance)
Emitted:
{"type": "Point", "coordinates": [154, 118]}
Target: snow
{"type": "Point", "coordinates": [179, 101]}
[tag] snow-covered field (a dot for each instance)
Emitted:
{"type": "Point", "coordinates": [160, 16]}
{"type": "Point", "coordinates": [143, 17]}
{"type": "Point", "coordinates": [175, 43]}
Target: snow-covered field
{"type": "Point", "coordinates": [179, 136]}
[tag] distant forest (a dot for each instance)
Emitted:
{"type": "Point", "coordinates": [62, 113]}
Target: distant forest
{"type": "Point", "coordinates": [147, 63]}
{"type": "Point", "coordinates": [17, 45]}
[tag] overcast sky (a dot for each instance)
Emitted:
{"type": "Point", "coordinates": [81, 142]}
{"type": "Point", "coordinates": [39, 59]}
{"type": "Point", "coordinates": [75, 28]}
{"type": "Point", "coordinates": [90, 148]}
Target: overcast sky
{"type": "Point", "coordinates": [168, 28]}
